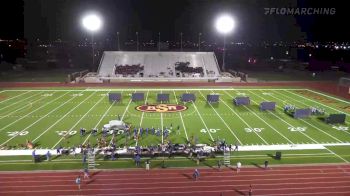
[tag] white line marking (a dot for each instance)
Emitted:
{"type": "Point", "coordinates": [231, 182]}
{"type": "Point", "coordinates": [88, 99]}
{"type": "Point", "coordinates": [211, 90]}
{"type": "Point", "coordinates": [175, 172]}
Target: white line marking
{"type": "Point", "coordinates": [102, 117]}
{"type": "Point", "coordinates": [143, 113]}
{"type": "Point", "coordinates": [200, 116]}
{"type": "Point", "coordinates": [165, 89]}
{"type": "Point", "coordinates": [38, 120]}
{"type": "Point", "coordinates": [126, 109]}
{"type": "Point", "coordinates": [263, 120]}
{"type": "Point", "coordinates": [311, 124]}
{"type": "Point", "coordinates": [78, 121]}
{"type": "Point", "coordinates": [63, 116]}
{"type": "Point", "coordinates": [243, 121]}
{"type": "Point", "coordinates": [284, 120]}
{"type": "Point", "coordinates": [329, 96]}
{"type": "Point", "coordinates": [17, 102]}
{"type": "Point", "coordinates": [240, 142]}
{"type": "Point", "coordinates": [14, 96]}
{"type": "Point", "coordinates": [337, 155]}
{"type": "Point", "coordinates": [25, 106]}
{"type": "Point", "coordinates": [318, 103]}
{"type": "Point", "coordinates": [182, 120]}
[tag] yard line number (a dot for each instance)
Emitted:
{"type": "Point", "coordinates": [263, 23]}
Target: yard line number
{"type": "Point", "coordinates": [209, 130]}
{"type": "Point", "coordinates": [77, 94]}
{"type": "Point", "coordinates": [340, 128]}
{"type": "Point", "coordinates": [250, 130]}
{"type": "Point", "coordinates": [17, 133]}
{"type": "Point", "coordinates": [300, 129]}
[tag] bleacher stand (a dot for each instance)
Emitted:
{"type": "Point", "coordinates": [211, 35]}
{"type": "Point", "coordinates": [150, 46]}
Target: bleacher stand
{"type": "Point", "coordinates": [126, 70]}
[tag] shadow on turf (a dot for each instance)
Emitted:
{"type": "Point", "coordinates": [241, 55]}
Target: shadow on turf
{"type": "Point", "coordinates": [273, 156]}
{"type": "Point", "coordinates": [239, 192]}
{"type": "Point", "coordinates": [256, 165]}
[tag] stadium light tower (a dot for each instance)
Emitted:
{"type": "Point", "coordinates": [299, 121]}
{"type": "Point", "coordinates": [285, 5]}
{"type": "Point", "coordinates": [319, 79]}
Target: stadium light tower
{"type": "Point", "coordinates": [92, 23]}
{"type": "Point", "coordinates": [224, 24]}
{"type": "Point", "coordinates": [118, 41]}
{"type": "Point", "coordinates": [181, 41]}
{"type": "Point", "coordinates": [137, 41]}
{"type": "Point", "coordinates": [199, 42]}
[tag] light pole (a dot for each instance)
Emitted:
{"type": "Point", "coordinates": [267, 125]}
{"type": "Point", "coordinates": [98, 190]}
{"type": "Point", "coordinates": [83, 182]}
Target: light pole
{"type": "Point", "coordinates": [158, 41]}
{"type": "Point", "coordinates": [92, 23]}
{"type": "Point", "coordinates": [224, 25]}
{"type": "Point", "coordinates": [118, 41]}
{"type": "Point", "coordinates": [137, 41]}
{"type": "Point", "coordinates": [181, 41]}
{"type": "Point", "coordinates": [199, 41]}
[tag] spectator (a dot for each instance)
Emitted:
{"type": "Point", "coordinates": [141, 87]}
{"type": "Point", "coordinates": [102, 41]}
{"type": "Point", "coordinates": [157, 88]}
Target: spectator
{"type": "Point", "coordinates": [238, 166]}
{"type": "Point", "coordinates": [148, 164]}
{"type": "Point", "coordinates": [137, 160]}
{"type": "Point", "coordinates": [266, 163]}
{"type": "Point", "coordinates": [250, 193]}
{"type": "Point", "coordinates": [196, 174]}
{"type": "Point", "coordinates": [78, 181]}
{"type": "Point", "coordinates": [34, 156]}
{"type": "Point", "coordinates": [86, 173]}
{"type": "Point", "coordinates": [48, 156]}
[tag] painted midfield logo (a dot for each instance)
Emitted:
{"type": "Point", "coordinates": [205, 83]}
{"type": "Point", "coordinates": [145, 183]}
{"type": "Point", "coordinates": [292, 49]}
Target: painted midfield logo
{"type": "Point", "coordinates": [161, 108]}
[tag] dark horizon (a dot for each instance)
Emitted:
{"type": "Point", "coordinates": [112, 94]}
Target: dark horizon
{"type": "Point", "coordinates": [60, 19]}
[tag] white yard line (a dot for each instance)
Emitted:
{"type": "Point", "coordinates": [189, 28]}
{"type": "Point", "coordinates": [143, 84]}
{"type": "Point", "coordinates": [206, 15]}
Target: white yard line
{"type": "Point", "coordinates": [17, 102]}
{"type": "Point", "coordinates": [310, 123]}
{"type": "Point", "coordinates": [316, 103]}
{"type": "Point", "coordinates": [59, 120]}
{"type": "Point", "coordinates": [180, 113]}
{"type": "Point", "coordinates": [337, 155]}
{"type": "Point", "coordinates": [347, 102]}
{"type": "Point", "coordinates": [39, 120]}
{"type": "Point", "coordinates": [164, 89]}
{"type": "Point", "coordinates": [78, 121]}
{"type": "Point", "coordinates": [200, 116]}
{"type": "Point", "coordinates": [286, 121]}
{"type": "Point", "coordinates": [102, 117]}
{"type": "Point", "coordinates": [141, 120]}
{"type": "Point", "coordinates": [304, 97]}
{"type": "Point", "coordinates": [243, 121]}
{"type": "Point", "coordinates": [228, 127]}
{"type": "Point", "coordinates": [15, 96]}
{"type": "Point", "coordinates": [32, 112]}
{"type": "Point", "coordinates": [126, 109]}
{"type": "Point", "coordinates": [263, 120]}
{"type": "Point", "coordinates": [21, 108]}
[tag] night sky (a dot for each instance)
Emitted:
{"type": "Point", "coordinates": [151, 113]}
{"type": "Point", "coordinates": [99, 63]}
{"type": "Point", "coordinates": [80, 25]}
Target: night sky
{"type": "Point", "coordinates": [52, 19]}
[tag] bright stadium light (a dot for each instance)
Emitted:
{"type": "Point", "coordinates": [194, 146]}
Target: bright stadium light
{"type": "Point", "coordinates": [224, 24]}
{"type": "Point", "coordinates": [92, 22]}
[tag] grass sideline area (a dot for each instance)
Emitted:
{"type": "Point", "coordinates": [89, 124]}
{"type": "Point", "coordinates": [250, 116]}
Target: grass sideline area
{"type": "Point", "coordinates": [248, 159]}
{"type": "Point", "coordinates": [45, 116]}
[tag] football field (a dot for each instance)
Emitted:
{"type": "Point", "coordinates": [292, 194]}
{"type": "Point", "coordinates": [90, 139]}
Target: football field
{"type": "Point", "coordinates": [53, 117]}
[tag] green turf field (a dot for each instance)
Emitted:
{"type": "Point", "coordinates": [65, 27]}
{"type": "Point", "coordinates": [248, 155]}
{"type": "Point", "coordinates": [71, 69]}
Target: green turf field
{"type": "Point", "coordinates": [44, 116]}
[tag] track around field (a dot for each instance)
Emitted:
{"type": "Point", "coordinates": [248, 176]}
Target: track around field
{"type": "Point", "coordinates": [328, 87]}
{"type": "Point", "coordinates": [296, 180]}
